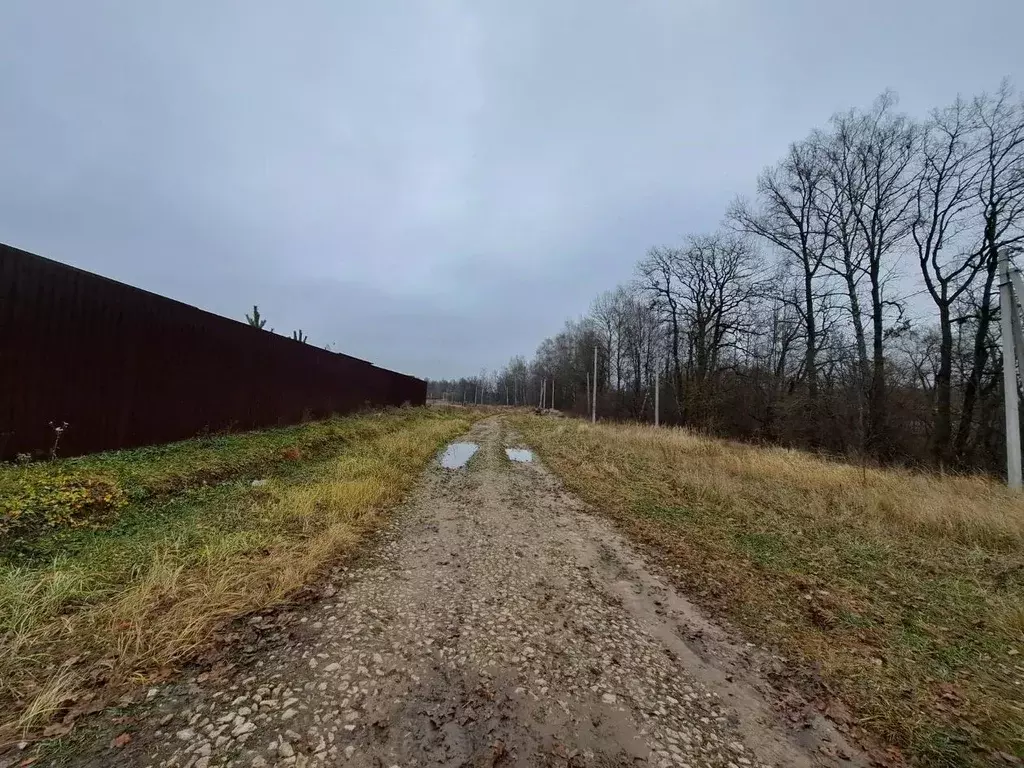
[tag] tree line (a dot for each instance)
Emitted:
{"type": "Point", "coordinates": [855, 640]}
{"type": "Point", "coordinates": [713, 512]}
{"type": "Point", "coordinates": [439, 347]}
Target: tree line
{"type": "Point", "coordinates": [850, 306]}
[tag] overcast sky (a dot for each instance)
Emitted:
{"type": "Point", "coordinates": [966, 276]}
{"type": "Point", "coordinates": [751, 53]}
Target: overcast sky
{"type": "Point", "coordinates": [432, 185]}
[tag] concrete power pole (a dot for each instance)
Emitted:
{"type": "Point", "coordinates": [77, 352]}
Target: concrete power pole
{"type": "Point", "coordinates": [1006, 312]}
{"type": "Point", "coordinates": [593, 408]}
{"type": "Point", "coordinates": [1017, 284]}
{"type": "Point", "coordinates": [552, 393]}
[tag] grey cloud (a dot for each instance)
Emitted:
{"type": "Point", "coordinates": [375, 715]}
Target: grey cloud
{"type": "Point", "coordinates": [432, 186]}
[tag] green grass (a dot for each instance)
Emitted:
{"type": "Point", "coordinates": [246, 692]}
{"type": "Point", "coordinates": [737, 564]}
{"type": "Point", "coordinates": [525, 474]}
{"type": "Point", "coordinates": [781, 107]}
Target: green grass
{"type": "Point", "coordinates": [147, 584]}
{"type": "Point", "coordinates": [902, 592]}
{"type": "Point", "coordinates": [153, 472]}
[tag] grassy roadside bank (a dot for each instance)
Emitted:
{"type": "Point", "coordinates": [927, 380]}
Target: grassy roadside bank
{"type": "Point", "coordinates": [905, 592]}
{"type": "Point", "coordinates": [118, 566]}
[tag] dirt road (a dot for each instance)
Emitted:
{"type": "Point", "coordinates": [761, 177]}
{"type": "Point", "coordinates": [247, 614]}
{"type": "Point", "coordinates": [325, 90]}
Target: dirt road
{"type": "Point", "coordinates": [496, 622]}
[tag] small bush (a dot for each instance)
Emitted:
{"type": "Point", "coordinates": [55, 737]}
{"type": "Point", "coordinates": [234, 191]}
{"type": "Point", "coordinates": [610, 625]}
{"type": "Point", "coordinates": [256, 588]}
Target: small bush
{"type": "Point", "coordinates": [58, 501]}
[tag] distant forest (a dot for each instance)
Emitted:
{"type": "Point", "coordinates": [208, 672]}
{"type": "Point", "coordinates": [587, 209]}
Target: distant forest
{"type": "Point", "coordinates": [850, 307]}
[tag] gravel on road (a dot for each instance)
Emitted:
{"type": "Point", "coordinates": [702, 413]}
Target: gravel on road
{"type": "Point", "coordinates": [495, 622]}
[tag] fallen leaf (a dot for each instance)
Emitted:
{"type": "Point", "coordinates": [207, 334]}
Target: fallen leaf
{"type": "Point", "coordinates": [120, 741]}
{"type": "Point", "coordinates": [88, 707]}
{"type": "Point", "coordinates": [56, 729]}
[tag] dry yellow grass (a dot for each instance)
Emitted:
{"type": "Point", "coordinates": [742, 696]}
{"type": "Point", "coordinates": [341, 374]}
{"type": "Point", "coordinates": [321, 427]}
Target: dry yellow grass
{"type": "Point", "coordinates": [64, 622]}
{"type": "Point", "coordinates": [903, 590]}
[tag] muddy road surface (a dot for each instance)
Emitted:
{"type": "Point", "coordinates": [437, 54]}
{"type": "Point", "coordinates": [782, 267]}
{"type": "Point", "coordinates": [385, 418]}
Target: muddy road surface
{"type": "Point", "coordinates": [494, 622]}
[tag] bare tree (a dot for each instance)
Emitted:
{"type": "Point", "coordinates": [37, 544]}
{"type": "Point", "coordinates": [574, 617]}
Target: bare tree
{"type": "Point", "coordinates": [878, 151]}
{"type": "Point", "coordinates": [774, 350]}
{"type": "Point", "coordinates": [792, 216]}
{"type": "Point", "coordinates": [715, 275]}
{"type": "Point", "coordinates": [639, 339]}
{"type": "Point", "coordinates": [657, 279]}
{"type": "Point", "coordinates": [1000, 195]}
{"type": "Point", "coordinates": [947, 249]}
{"type": "Point", "coordinates": [845, 255]}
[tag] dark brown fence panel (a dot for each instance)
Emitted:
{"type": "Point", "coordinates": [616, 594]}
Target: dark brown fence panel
{"type": "Point", "coordinates": [125, 367]}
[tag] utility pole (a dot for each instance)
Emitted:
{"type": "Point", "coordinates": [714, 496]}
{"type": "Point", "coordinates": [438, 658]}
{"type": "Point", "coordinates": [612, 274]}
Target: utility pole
{"type": "Point", "coordinates": [593, 408]}
{"type": "Point", "coordinates": [1006, 311]}
{"type": "Point", "coordinates": [541, 403]}
{"type": "Point", "coordinates": [552, 393]}
{"type": "Point", "coordinates": [1017, 284]}
{"type": "Point", "coordinates": [657, 400]}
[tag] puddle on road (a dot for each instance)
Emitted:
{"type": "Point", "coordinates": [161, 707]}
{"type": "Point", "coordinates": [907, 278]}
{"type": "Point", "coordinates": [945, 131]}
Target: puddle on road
{"type": "Point", "coordinates": [519, 454]}
{"type": "Point", "coordinates": [456, 455]}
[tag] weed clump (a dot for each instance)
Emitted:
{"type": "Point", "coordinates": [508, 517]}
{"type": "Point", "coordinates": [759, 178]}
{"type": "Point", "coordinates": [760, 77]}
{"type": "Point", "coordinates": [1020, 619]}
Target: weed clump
{"type": "Point", "coordinates": [31, 505]}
